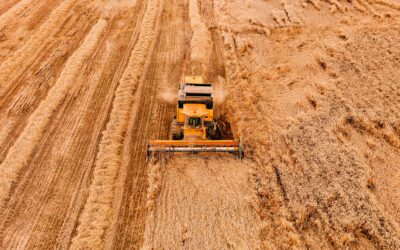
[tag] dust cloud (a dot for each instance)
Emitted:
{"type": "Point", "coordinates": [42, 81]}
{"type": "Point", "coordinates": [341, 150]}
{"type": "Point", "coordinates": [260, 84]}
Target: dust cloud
{"type": "Point", "coordinates": [169, 95]}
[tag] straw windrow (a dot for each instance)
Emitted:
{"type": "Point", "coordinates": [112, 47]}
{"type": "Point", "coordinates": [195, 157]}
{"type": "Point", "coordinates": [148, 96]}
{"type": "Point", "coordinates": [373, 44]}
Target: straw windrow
{"type": "Point", "coordinates": [20, 153]}
{"type": "Point", "coordinates": [97, 214]}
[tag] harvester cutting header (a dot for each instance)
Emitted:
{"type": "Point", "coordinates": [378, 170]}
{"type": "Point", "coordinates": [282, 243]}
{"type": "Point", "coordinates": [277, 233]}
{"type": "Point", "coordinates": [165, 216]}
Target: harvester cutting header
{"type": "Point", "coordinates": [194, 128]}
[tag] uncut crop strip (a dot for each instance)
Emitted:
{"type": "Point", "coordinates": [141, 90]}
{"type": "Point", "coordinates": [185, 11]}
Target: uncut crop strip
{"type": "Point", "coordinates": [97, 214]}
{"type": "Point", "coordinates": [18, 60]}
{"type": "Point", "coordinates": [19, 154]}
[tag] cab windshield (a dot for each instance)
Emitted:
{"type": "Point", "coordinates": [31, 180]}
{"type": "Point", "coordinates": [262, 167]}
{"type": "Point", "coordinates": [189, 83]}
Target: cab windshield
{"type": "Point", "coordinates": [194, 122]}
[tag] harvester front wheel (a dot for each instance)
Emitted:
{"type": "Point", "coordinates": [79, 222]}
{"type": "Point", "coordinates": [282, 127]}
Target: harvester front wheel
{"type": "Point", "coordinates": [214, 132]}
{"type": "Point", "coordinates": [176, 131]}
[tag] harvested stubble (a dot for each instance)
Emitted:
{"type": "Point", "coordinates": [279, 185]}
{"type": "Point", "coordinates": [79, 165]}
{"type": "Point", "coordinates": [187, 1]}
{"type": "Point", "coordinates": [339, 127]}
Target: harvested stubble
{"type": "Point", "coordinates": [19, 154]}
{"type": "Point", "coordinates": [97, 214]}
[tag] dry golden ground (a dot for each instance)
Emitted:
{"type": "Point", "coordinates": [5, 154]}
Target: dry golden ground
{"type": "Point", "coordinates": [312, 86]}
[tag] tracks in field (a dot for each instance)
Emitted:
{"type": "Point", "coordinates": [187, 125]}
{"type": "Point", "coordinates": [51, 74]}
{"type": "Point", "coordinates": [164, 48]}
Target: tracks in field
{"type": "Point", "coordinates": [195, 199]}
{"type": "Point", "coordinates": [19, 154]}
{"type": "Point", "coordinates": [76, 154]}
{"type": "Point", "coordinates": [31, 71]}
{"type": "Point", "coordinates": [49, 194]}
{"type": "Point", "coordinates": [122, 173]}
{"type": "Point", "coordinates": [150, 119]}
{"type": "Point", "coordinates": [97, 214]}
{"type": "Point", "coordinates": [67, 173]}
{"type": "Point", "coordinates": [13, 64]}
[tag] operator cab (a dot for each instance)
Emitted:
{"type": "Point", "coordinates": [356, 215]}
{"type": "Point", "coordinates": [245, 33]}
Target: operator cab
{"type": "Point", "coordinates": [194, 122]}
{"type": "Point", "coordinates": [194, 114]}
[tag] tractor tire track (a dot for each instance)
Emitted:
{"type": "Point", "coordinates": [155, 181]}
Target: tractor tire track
{"type": "Point", "coordinates": [151, 120]}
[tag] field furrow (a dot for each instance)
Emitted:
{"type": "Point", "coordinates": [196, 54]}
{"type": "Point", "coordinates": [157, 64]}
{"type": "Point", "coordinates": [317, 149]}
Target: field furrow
{"type": "Point", "coordinates": [14, 9]}
{"type": "Point", "coordinates": [19, 154]}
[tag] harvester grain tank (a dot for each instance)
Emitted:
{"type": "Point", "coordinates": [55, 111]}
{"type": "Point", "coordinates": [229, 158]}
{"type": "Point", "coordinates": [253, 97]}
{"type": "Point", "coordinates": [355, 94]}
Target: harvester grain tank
{"type": "Point", "coordinates": [194, 128]}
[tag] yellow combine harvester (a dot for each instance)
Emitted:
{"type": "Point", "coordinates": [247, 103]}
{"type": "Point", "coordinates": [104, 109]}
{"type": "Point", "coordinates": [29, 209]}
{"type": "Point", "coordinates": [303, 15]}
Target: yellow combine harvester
{"type": "Point", "coordinates": [194, 129]}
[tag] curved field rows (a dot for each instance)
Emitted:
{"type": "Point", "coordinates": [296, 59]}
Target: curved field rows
{"type": "Point", "coordinates": [312, 86]}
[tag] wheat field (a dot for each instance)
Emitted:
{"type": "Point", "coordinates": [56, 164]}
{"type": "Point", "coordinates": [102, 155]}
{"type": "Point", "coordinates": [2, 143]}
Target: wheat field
{"type": "Point", "coordinates": [311, 86]}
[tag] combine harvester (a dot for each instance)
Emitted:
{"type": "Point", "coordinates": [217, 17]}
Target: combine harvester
{"type": "Point", "coordinates": [194, 129]}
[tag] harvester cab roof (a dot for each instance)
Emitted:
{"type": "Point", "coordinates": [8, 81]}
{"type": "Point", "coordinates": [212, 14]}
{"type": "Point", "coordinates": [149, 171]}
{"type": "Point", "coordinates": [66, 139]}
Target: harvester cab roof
{"type": "Point", "coordinates": [195, 88]}
{"type": "Point", "coordinates": [193, 91]}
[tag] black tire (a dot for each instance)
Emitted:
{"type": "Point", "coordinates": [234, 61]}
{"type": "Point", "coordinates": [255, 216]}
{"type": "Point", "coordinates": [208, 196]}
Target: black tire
{"type": "Point", "coordinates": [213, 131]}
{"type": "Point", "coordinates": [176, 131]}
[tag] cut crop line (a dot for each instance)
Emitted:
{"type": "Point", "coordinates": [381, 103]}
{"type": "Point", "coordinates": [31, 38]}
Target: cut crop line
{"type": "Point", "coordinates": [97, 214]}
{"type": "Point", "coordinates": [45, 31]}
{"type": "Point", "coordinates": [19, 154]}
